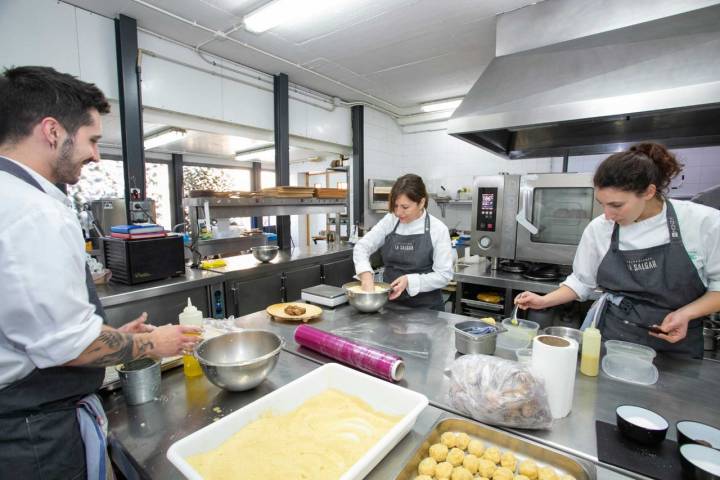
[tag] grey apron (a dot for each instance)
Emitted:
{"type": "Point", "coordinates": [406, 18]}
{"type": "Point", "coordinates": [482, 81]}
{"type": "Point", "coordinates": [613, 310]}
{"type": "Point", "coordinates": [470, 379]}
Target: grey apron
{"type": "Point", "coordinates": [654, 281]}
{"type": "Point", "coordinates": [39, 432]}
{"type": "Point", "coordinates": [404, 254]}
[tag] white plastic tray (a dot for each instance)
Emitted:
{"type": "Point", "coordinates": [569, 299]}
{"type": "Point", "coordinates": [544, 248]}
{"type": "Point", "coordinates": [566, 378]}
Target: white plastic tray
{"type": "Point", "coordinates": [381, 395]}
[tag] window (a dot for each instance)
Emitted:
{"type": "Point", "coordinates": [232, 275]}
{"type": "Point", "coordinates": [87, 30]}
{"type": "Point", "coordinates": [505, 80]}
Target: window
{"type": "Point", "coordinates": [218, 179]}
{"type": "Point", "coordinates": [267, 180]}
{"type": "Point", "coordinates": [157, 184]}
{"type": "Point", "coordinates": [104, 179]}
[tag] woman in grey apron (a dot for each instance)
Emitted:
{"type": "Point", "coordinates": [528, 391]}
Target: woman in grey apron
{"type": "Point", "coordinates": [658, 296]}
{"type": "Point", "coordinates": [418, 260]}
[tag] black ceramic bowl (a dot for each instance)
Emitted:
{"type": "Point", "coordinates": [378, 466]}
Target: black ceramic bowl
{"type": "Point", "coordinates": [700, 462]}
{"type": "Point", "coordinates": [640, 424]}
{"type": "Point", "coordinates": [696, 432]}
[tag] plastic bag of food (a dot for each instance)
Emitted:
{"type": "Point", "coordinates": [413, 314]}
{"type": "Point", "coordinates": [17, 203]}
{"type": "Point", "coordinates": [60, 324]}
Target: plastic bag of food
{"type": "Point", "coordinates": [498, 392]}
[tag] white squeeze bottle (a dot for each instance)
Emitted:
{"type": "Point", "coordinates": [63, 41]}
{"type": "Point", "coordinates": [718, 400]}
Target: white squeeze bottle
{"type": "Point", "coordinates": [191, 316]}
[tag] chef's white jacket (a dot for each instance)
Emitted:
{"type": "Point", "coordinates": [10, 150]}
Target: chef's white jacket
{"type": "Point", "coordinates": [46, 318]}
{"type": "Point", "coordinates": [699, 228]}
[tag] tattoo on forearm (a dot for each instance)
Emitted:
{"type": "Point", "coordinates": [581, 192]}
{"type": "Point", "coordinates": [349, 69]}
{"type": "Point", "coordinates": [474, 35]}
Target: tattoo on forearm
{"type": "Point", "coordinates": [119, 347]}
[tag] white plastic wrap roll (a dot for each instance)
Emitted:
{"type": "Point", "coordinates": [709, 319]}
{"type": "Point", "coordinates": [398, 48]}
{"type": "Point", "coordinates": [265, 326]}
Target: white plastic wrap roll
{"type": "Point", "coordinates": [554, 359]}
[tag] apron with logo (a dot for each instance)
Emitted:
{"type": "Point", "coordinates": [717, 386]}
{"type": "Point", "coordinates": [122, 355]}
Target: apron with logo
{"type": "Point", "coordinates": [39, 432]}
{"type": "Point", "coordinates": [405, 254]}
{"type": "Point", "coordinates": [654, 282]}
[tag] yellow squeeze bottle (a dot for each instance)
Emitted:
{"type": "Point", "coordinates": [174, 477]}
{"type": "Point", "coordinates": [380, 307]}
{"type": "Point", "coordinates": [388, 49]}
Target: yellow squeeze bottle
{"type": "Point", "coordinates": [590, 356]}
{"type": "Point", "coordinates": [193, 317]}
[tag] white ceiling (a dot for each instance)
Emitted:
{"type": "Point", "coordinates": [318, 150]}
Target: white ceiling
{"type": "Point", "coordinates": [394, 53]}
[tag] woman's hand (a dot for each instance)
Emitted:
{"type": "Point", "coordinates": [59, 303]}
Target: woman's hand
{"type": "Point", "coordinates": [530, 300]}
{"type": "Point", "coordinates": [398, 285]}
{"type": "Point", "coordinates": [366, 282]}
{"type": "Point", "coordinates": [138, 325]}
{"type": "Point", "coordinates": [673, 327]}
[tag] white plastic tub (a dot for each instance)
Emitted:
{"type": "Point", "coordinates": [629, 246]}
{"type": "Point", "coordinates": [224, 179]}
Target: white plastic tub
{"type": "Point", "coordinates": [381, 395]}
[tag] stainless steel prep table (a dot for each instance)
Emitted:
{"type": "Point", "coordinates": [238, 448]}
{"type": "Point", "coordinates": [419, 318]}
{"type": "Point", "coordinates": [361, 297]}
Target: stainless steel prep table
{"type": "Point", "coordinates": [687, 389]}
{"type": "Point", "coordinates": [142, 434]}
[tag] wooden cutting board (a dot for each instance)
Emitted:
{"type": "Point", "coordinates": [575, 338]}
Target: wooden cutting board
{"type": "Point", "coordinates": [277, 312]}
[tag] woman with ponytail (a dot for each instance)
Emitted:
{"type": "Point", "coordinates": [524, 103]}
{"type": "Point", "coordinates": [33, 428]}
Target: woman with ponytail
{"type": "Point", "coordinates": [657, 259]}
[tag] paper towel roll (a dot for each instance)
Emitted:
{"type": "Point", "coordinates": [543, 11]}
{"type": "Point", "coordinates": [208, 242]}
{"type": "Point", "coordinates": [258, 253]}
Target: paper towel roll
{"type": "Point", "coordinates": [554, 360]}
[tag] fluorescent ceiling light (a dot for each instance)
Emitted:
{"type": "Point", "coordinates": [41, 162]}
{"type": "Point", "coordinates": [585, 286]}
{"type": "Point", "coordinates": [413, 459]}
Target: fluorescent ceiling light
{"type": "Point", "coordinates": [163, 137]}
{"type": "Point", "coordinates": [254, 153]}
{"type": "Point", "coordinates": [276, 12]}
{"type": "Point", "coordinates": [440, 105]}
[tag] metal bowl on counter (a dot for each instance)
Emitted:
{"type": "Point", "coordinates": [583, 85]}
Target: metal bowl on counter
{"type": "Point", "coordinates": [265, 253]}
{"type": "Point", "coordinates": [238, 361]}
{"type": "Point", "coordinates": [474, 336]}
{"type": "Point", "coordinates": [367, 301]}
{"type": "Point", "coordinates": [565, 332]}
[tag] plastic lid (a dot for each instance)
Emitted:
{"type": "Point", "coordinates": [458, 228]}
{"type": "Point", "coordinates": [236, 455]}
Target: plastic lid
{"type": "Point", "coordinates": [629, 368]}
{"type": "Point", "coordinates": [511, 340]}
{"type": "Point", "coordinates": [628, 348]}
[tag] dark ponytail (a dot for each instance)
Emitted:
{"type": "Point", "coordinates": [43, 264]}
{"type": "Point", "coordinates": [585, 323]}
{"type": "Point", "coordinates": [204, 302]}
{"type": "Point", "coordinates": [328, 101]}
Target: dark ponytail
{"type": "Point", "coordinates": [639, 167]}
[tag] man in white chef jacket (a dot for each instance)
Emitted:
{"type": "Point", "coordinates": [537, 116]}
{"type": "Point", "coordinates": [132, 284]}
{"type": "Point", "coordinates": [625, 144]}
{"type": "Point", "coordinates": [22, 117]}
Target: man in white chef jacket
{"type": "Point", "coordinates": [54, 345]}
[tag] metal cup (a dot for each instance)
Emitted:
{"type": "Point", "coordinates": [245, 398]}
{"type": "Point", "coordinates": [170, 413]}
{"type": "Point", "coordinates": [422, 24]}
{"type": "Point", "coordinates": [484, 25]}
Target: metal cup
{"type": "Point", "coordinates": [140, 380]}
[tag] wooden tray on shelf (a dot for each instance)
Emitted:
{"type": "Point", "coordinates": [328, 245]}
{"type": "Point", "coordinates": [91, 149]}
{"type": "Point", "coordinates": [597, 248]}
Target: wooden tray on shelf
{"type": "Point", "coordinates": [277, 312]}
{"type": "Point", "coordinates": [339, 193]}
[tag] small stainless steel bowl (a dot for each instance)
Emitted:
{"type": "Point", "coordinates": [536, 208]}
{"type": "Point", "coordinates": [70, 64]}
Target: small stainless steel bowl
{"type": "Point", "coordinates": [565, 332]}
{"type": "Point", "coordinates": [265, 253]}
{"type": "Point", "coordinates": [367, 301]}
{"type": "Point", "coordinates": [467, 342]}
{"type": "Point", "coordinates": [238, 361]}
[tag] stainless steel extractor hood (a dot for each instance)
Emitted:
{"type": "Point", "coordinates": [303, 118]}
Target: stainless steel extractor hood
{"type": "Point", "coordinates": [658, 80]}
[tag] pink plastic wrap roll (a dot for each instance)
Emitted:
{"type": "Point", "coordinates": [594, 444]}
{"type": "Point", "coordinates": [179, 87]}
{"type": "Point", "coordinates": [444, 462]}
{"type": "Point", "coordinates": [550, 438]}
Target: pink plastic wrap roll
{"type": "Point", "coordinates": [371, 360]}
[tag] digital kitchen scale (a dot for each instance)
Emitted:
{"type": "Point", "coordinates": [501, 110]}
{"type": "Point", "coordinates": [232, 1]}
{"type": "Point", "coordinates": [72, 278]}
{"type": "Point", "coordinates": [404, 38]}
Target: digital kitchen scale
{"type": "Point", "coordinates": [325, 295]}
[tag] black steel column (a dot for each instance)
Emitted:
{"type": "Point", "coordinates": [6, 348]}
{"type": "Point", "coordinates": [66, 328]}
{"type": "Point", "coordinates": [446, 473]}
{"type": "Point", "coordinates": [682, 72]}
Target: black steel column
{"type": "Point", "coordinates": [282, 151]}
{"type": "Point", "coordinates": [566, 161]}
{"type": "Point", "coordinates": [176, 189]}
{"type": "Point", "coordinates": [256, 186]}
{"type": "Point", "coordinates": [358, 166]}
{"type": "Point", "coordinates": [131, 125]}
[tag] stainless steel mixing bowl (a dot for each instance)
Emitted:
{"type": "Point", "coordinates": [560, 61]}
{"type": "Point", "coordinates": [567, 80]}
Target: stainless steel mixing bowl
{"type": "Point", "coordinates": [238, 361]}
{"type": "Point", "coordinates": [368, 301]}
{"type": "Point", "coordinates": [265, 253]}
{"type": "Point", "coordinates": [565, 332]}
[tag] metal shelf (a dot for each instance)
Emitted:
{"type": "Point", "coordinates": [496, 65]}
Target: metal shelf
{"type": "Point", "coordinates": [265, 206]}
{"type": "Point", "coordinates": [444, 202]}
{"type": "Point", "coordinates": [498, 307]}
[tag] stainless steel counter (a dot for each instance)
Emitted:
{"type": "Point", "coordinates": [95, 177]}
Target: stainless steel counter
{"type": "Point", "coordinates": [117, 293]}
{"type": "Point", "coordinates": [687, 389]}
{"type": "Point", "coordinates": [240, 265]}
{"type": "Point", "coordinates": [481, 273]}
{"type": "Point", "coordinates": [243, 265]}
{"type": "Point", "coordinates": [142, 434]}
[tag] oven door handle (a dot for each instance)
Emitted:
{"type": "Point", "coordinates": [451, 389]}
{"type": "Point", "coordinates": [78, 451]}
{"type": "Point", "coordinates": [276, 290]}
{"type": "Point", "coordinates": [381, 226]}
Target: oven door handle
{"type": "Point", "coordinates": [521, 217]}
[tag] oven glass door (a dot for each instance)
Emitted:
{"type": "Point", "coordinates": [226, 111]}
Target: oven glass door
{"type": "Point", "coordinates": [561, 214]}
{"type": "Point", "coordinates": [554, 210]}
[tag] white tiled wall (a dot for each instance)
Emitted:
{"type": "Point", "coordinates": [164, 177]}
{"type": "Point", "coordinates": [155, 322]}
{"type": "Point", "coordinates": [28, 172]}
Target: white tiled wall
{"type": "Point", "coordinates": [701, 169]}
{"type": "Point", "coordinates": [383, 154]}
{"type": "Point", "coordinates": [445, 160]}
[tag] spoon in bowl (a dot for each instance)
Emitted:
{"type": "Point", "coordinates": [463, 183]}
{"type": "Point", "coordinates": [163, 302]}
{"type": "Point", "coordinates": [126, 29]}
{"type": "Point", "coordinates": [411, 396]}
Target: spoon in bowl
{"type": "Point", "coordinates": [513, 317]}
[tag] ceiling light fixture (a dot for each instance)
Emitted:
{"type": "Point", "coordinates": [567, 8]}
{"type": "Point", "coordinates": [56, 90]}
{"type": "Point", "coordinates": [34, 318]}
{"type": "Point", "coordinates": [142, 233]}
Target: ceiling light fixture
{"type": "Point", "coordinates": [276, 12]}
{"type": "Point", "coordinates": [162, 137]}
{"type": "Point", "coordinates": [440, 105]}
{"type": "Point", "coordinates": [253, 153]}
